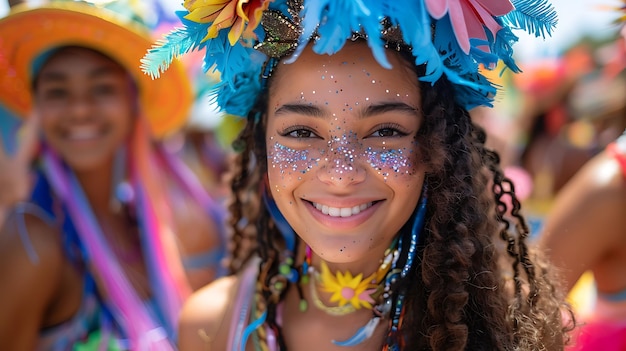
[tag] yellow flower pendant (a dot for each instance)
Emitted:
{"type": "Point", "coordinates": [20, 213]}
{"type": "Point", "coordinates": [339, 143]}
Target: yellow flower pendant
{"type": "Point", "coordinates": [348, 289]}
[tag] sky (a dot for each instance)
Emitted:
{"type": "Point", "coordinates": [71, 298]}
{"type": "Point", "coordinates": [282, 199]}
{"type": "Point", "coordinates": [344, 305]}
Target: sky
{"type": "Point", "coordinates": [576, 18]}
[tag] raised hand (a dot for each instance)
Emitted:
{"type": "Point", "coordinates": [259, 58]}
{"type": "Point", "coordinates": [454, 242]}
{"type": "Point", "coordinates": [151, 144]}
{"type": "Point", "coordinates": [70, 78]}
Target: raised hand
{"type": "Point", "coordinates": [15, 169]}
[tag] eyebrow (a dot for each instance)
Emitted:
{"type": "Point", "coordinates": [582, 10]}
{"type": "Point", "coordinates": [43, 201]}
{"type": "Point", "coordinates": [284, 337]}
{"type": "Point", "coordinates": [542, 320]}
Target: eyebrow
{"type": "Point", "coordinates": [384, 107]}
{"type": "Point", "coordinates": [300, 109]}
{"type": "Point", "coordinates": [371, 110]}
{"type": "Point", "coordinates": [59, 76]}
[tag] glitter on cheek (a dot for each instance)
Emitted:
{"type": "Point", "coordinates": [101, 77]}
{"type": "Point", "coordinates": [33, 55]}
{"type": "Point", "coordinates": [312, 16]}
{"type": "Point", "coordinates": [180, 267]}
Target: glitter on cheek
{"type": "Point", "coordinates": [392, 161]}
{"type": "Point", "coordinates": [289, 160]}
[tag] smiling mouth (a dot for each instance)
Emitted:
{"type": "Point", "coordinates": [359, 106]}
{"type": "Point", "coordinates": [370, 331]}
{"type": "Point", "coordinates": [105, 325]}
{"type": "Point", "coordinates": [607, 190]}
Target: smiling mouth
{"type": "Point", "coordinates": [341, 211]}
{"type": "Point", "coordinates": [83, 134]}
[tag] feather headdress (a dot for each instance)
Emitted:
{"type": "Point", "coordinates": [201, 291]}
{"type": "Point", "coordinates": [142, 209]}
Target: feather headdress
{"type": "Point", "coordinates": [450, 37]}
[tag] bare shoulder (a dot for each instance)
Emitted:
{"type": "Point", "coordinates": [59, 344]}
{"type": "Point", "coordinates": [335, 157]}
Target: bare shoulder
{"type": "Point", "coordinates": [31, 264]}
{"type": "Point", "coordinates": [586, 220]}
{"type": "Point", "coordinates": [206, 316]}
{"type": "Point", "coordinates": [28, 242]}
{"type": "Point", "coordinates": [602, 175]}
{"type": "Point", "coordinates": [594, 193]}
{"type": "Point", "coordinates": [198, 236]}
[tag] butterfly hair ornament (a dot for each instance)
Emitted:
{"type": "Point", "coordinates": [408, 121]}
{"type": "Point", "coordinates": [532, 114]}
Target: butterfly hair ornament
{"type": "Point", "coordinates": [243, 39]}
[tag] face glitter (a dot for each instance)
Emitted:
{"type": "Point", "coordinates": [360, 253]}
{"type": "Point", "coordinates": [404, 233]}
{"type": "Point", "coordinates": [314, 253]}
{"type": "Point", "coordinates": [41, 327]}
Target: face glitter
{"type": "Point", "coordinates": [393, 159]}
{"type": "Point", "coordinates": [289, 160]}
{"type": "Point", "coordinates": [341, 154]}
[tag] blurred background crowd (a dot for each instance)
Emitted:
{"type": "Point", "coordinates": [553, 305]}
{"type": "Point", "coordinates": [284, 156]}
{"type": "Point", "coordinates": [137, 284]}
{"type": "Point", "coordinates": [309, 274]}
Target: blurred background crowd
{"type": "Point", "coordinates": [548, 122]}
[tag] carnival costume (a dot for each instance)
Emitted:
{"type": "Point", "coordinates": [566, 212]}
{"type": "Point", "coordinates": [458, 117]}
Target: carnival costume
{"type": "Point", "coordinates": [122, 321]}
{"type": "Point", "coordinates": [244, 40]}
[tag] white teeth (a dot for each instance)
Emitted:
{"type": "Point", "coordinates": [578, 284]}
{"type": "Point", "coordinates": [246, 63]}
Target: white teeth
{"type": "Point", "coordinates": [324, 209]}
{"type": "Point", "coordinates": [343, 211]}
{"type": "Point", "coordinates": [83, 133]}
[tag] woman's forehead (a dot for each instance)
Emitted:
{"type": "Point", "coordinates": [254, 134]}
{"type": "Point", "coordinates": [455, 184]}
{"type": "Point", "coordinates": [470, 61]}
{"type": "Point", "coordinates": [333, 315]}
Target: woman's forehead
{"type": "Point", "coordinates": [355, 57]}
{"type": "Point", "coordinates": [353, 72]}
{"type": "Point", "coordinates": [69, 57]}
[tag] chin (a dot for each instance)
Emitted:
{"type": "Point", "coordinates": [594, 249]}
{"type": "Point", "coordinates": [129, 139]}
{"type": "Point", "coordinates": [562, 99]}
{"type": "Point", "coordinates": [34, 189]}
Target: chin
{"type": "Point", "coordinates": [342, 249]}
{"type": "Point", "coordinates": [86, 163]}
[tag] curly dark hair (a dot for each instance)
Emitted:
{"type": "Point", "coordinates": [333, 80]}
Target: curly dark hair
{"type": "Point", "coordinates": [477, 285]}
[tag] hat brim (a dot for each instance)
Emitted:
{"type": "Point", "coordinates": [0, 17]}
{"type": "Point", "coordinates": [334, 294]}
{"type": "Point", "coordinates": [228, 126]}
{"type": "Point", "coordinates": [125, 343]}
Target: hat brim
{"type": "Point", "coordinates": [28, 32]}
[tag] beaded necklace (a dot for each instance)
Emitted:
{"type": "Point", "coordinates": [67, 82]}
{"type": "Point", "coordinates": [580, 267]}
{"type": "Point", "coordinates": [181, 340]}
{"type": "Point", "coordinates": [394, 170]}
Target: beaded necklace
{"type": "Point", "coordinates": [350, 292]}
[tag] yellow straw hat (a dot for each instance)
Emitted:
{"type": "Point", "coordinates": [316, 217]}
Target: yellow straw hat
{"type": "Point", "coordinates": [29, 31]}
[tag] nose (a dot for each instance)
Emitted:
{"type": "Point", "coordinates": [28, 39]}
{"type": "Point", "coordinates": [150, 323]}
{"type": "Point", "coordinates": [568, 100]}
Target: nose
{"type": "Point", "coordinates": [342, 166]}
{"type": "Point", "coordinates": [80, 106]}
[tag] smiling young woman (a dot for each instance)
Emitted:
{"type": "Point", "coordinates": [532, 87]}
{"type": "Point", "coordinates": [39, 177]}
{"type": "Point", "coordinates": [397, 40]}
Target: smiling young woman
{"type": "Point", "coordinates": [367, 212]}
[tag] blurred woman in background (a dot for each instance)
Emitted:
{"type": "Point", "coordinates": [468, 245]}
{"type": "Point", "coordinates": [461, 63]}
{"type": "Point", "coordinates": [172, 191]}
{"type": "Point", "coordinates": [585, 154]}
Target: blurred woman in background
{"type": "Point", "coordinates": [115, 234]}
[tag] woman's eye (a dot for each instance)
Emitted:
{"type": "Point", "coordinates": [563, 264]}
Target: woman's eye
{"type": "Point", "coordinates": [103, 90]}
{"type": "Point", "coordinates": [299, 133]}
{"type": "Point", "coordinates": [386, 133]}
{"type": "Point", "coordinates": [55, 94]}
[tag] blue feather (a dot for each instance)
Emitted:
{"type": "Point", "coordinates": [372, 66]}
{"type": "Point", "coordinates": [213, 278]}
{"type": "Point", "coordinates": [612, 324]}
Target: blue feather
{"type": "Point", "coordinates": [334, 22]}
{"type": "Point", "coordinates": [310, 14]}
{"type": "Point", "coordinates": [364, 333]}
{"type": "Point", "coordinates": [503, 48]}
{"type": "Point", "coordinates": [174, 44]}
{"type": "Point", "coordinates": [415, 22]}
{"type": "Point", "coordinates": [537, 17]}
